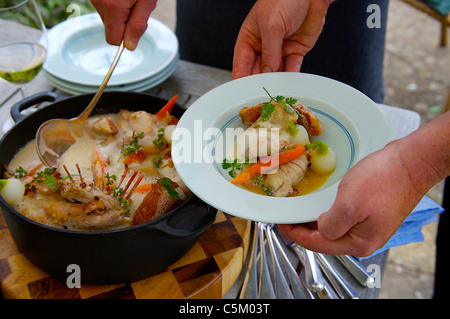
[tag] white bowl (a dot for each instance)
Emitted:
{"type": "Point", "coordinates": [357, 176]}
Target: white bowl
{"type": "Point", "coordinates": [353, 126]}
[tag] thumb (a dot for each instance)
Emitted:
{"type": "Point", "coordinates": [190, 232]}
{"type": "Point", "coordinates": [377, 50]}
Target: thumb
{"type": "Point", "coordinates": [336, 222]}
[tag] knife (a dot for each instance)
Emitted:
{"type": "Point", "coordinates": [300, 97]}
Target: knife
{"type": "Point", "coordinates": [266, 289]}
{"type": "Point", "coordinates": [313, 275]}
{"type": "Point", "coordinates": [281, 285]}
{"type": "Point", "coordinates": [343, 289]}
{"type": "Point", "coordinates": [298, 288]}
{"type": "Point", "coordinates": [249, 288]}
{"type": "Point", "coordinates": [357, 270]}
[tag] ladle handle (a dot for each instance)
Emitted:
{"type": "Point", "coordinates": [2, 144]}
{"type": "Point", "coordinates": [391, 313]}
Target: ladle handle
{"type": "Point", "coordinates": [83, 116]}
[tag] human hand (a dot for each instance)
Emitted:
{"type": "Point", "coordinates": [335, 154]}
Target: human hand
{"type": "Point", "coordinates": [376, 195]}
{"type": "Point", "coordinates": [124, 19]}
{"type": "Point", "coordinates": [277, 34]}
{"type": "Point", "coordinates": [373, 199]}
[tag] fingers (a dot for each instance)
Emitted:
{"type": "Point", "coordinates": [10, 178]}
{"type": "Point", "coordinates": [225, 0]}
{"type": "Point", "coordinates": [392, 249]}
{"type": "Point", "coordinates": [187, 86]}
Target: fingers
{"type": "Point", "coordinates": [113, 18]}
{"type": "Point", "coordinates": [293, 62]}
{"type": "Point", "coordinates": [338, 220]}
{"type": "Point", "coordinates": [124, 20]}
{"type": "Point", "coordinates": [271, 49]}
{"type": "Point", "coordinates": [312, 239]}
{"type": "Point", "coordinates": [137, 23]}
{"type": "Point", "coordinates": [244, 59]}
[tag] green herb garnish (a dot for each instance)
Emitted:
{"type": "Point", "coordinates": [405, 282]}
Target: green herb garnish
{"type": "Point", "coordinates": [157, 160]}
{"type": "Point", "coordinates": [20, 172]}
{"type": "Point", "coordinates": [268, 107]}
{"type": "Point", "coordinates": [46, 176]}
{"type": "Point", "coordinates": [266, 111]}
{"type": "Point", "coordinates": [166, 182]}
{"type": "Point", "coordinates": [133, 146]}
{"type": "Point", "coordinates": [118, 192]}
{"type": "Point", "coordinates": [110, 179]}
{"type": "Point", "coordinates": [291, 129]}
{"type": "Point", "coordinates": [159, 140]}
{"type": "Point", "coordinates": [322, 148]}
{"type": "Point", "coordinates": [234, 166]}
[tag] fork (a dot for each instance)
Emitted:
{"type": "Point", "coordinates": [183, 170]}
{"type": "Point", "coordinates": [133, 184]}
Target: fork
{"type": "Point", "coordinates": [281, 286]}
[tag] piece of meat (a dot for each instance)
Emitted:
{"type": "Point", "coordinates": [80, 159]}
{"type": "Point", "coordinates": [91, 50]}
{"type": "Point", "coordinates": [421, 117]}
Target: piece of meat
{"type": "Point", "coordinates": [287, 176]}
{"type": "Point", "coordinates": [156, 203]}
{"type": "Point", "coordinates": [250, 114]}
{"type": "Point", "coordinates": [139, 121]}
{"type": "Point", "coordinates": [309, 119]}
{"type": "Point", "coordinates": [61, 211]}
{"type": "Point", "coordinates": [102, 124]}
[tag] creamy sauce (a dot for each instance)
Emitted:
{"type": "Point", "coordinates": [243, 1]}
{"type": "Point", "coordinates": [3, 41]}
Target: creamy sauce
{"type": "Point", "coordinates": [94, 159]}
{"type": "Point", "coordinates": [311, 182]}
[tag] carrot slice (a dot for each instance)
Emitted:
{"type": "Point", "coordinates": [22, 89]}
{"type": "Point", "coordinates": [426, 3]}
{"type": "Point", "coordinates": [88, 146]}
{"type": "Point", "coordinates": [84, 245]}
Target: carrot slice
{"type": "Point", "coordinates": [142, 189]}
{"type": "Point", "coordinates": [268, 163]}
{"type": "Point", "coordinates": [134, 157]}
{"type": "Point", "coordinates": [34, 166]}
{"type": "Point", "coordinates": [161, 114]}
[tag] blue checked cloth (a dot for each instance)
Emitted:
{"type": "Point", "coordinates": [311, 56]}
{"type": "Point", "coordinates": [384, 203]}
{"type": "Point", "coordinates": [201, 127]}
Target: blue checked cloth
{"type": "Point", "coordinates": [410, 231]}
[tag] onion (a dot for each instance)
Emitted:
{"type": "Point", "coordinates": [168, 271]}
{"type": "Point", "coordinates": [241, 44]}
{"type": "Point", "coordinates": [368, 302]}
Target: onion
{"type": "Point", "coordinates": [168, 133]}
{"type": "Point", "coordinates": [12, 190]}
{"type": "Point", "coordinates": [301, 136]}
{"type": "Point", "coordinates": [323, 163]}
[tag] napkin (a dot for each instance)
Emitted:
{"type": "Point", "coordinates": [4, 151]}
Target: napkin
{"type": "Point", "coordinates": [410, 231]}
{"type": "Point", "coordinates": [441, 6]}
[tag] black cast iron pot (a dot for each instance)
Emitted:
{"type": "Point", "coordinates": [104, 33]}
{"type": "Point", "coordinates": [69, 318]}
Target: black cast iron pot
{"type": "Point", "coordinates": [104, 257]}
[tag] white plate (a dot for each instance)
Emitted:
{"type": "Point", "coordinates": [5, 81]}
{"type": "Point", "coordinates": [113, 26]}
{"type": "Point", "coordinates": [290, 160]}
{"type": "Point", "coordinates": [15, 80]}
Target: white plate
{"type": "Point", "coordinates": [78, 52]}
{"type": "Point", "coordinates": [353, 124]}
{"type": "Point", "coordinates": [75, 88]}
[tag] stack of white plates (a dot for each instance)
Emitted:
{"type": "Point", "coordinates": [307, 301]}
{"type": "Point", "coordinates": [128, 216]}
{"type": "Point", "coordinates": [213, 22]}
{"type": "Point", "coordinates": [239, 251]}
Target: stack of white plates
{"type": "Point", "coordinates": [79, 57]}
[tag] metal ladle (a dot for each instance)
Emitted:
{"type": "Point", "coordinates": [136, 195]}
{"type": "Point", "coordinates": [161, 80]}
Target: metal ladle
{"type": "Point", "coordinates": [55, 136]}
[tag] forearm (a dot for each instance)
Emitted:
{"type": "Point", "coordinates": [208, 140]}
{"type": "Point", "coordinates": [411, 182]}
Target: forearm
{"type": "Point", "coordinates": [425, 154]}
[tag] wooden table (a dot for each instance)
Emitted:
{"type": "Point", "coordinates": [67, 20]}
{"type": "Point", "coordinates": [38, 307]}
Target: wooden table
{"type": "Point", "coordinates": [23, 280]}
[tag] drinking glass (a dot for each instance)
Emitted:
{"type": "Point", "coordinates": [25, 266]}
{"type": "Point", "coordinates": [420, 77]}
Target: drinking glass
{"type": "Point", "coordinates": [23, 41]}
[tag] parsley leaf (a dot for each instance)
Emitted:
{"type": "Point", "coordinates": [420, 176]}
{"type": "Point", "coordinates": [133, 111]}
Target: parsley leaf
{"type": "Point", "coordinates": [46, 176]}
{"type": "Point", "coordinates": [234, 166]}
{"type": "Point", "coordinates": [267, 110]}
{"type": "Point", "coordinates": [268, 107]}
{"type": "Point", "coordinates": [157, 161]}
{"type": "Point", "coordinates": [290, 100]}
{"type": "Point", "coordinates": [110, 179]}
{"type": "Point", "coordinates": [166, 182]}
{"type": "Point", "coordinates": [159, 140]}
{"type": "Point", "coordinates": [20, 172]}
{"type": "Point", "coordinates": [133, 146]}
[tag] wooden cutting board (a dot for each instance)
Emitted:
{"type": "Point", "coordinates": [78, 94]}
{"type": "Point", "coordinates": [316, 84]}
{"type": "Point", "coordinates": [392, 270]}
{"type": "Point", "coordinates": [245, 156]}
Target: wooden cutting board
{"type": "Point", "coordinates": [208, 270]}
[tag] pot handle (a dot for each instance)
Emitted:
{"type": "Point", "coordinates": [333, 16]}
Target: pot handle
{"type": "Point", "coordinates": [180, 225]}
{"type": "Point", "coordinates": [18, 107]}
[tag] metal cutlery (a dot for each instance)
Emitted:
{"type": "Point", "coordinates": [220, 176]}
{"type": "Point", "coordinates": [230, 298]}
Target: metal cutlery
{"type": "Point", "coordinates": [250, 286]}
{"type": "Point", "coordinates": [342, 288]}
{"type": "Point", "coordinates": [356, 269]}
{"type": "Point", "coordinates": [55, 136]}
{"type": "Point", "coordinates": [266, 290]}
{"type": "Point", "coordinates": [313, 275]}
{"type": "Point", "coordinates": [270, 273]}
{"type": "Point", "coordinates": [281, 285]}
{"type": "Point", "coordinates": [298, 288]}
